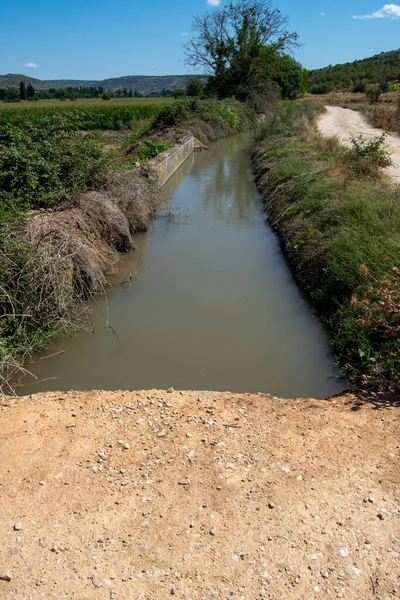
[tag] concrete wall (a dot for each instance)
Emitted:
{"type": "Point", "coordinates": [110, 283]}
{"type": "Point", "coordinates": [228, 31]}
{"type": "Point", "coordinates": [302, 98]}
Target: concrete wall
{"type": "Point", "coordinates": [169, 161]}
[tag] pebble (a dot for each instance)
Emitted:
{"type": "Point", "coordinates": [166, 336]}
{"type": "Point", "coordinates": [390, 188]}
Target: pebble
{"type": "Point", "coordinates": [344, 552]}
{"type": "Point", "coordinates": [285, 469]}
{"type": "Point", "coordinates": [313, 557]}
{"type": "Point", "coordinates": [126, 446]}
{"type": "Point", "coordinates": [271, 505]}
{"type": "Point", "coordinates": [184, 482]}
{"type": "Point", "coordinates": [380, 516]}
{"type": "Point", "coordinates": [5, 577]}
{"type": "Point", "coordinates": [170, 390]}
{"type": "Point", "coordinates": [213, 531]}
{"type": "Point", "coordinates": [42, 483]}
{"type": "Point", "coordinates": [17, 527]}
{"type": "Point", "coordinates": [353, 571]}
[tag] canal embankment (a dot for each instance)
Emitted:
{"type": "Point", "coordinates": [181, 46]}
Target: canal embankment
{"type": "Point", "coordinates": [338, 219]}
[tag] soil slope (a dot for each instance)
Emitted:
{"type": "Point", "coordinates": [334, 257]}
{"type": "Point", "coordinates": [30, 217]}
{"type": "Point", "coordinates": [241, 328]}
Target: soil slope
{"type": "Point", "coordinates": [344, 123]}
{"type": "Point", "coordinates": [198, 495]}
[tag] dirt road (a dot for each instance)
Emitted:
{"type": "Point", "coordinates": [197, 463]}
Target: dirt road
{"type": "Point", "coordinates": [343, 123]}
{"type": "Point", "coordinates": [197, 495]}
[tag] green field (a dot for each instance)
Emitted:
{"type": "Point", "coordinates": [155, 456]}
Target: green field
{"type": "Point", "coordinates": [85, 102]}
{"type": "Point", "coordinates": [82, 115]}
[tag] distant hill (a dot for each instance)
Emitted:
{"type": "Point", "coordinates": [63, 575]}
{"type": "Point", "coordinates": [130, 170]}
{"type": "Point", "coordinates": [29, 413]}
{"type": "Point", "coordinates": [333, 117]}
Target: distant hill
{"type": "Point", "coordinates": [384, 67]}
{"type": "Point", "coordinates": [13, 80]}
{"type": "Point", "coordinates": [144, 84]}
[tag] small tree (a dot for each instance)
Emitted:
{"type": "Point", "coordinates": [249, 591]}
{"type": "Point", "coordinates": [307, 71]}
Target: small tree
{"type": "Point", "coordinates": [194, 87]}
{"type": "Point", "coordinates": [30, 91]}
{"type": "Point", "coordinates": [359, 87]}
{"type": "Point", "coordinates": [178, 93]}
{"type": "Point", "coordinates": [106, 95]}
{"type": "Point", "coordinates": [22, 90]}
{"type": "Point", "coordinates": [373, 94]}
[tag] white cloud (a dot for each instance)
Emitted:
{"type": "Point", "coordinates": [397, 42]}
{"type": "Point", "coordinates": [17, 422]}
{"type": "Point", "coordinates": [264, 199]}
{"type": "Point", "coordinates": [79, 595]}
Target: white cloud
{"type": "Point", "coordinates": [213, 2]}
{"type": "Point", "coordinates": [321, 14]}
{"type": "Point", "coordinates": [389, 11]}
{"type": "Point", "coordinates": [184, 34]}
{"type": "Point", "coordinates": [31, 65]}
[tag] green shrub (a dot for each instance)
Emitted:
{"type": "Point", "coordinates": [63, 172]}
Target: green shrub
{"type": "Point", "coordinates": [39, 169]}
{"type": "Point", "coordinates": [368, 156]}
{"type": "Point", "coordinates": [149, 150]}
{"type": "Point", "coordinates": [229, 112]}
{"type": "Point", "coordinates": [373, 94]}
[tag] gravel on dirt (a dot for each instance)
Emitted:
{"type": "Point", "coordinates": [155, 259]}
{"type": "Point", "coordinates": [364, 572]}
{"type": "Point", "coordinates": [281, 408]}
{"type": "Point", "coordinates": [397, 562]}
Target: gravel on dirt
{"type": "Point", "coordinates": [267, 498]}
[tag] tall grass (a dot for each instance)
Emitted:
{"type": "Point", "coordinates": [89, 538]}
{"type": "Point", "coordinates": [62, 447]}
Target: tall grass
{"type": "Point", "coordinates": [341, 234]}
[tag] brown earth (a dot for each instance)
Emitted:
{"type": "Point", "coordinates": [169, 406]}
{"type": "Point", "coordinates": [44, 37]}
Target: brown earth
{"type": "Point", "coordinates": [199, 495]}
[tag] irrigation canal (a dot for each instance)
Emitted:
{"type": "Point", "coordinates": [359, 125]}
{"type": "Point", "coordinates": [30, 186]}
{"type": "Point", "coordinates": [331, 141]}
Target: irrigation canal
{"type": "Point", "coordinates": [210, 303]}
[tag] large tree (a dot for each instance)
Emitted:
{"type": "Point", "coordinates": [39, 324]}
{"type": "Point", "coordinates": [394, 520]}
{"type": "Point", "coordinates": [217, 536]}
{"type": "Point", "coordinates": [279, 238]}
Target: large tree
{"type": "Point", "coordinates": [237, 45]}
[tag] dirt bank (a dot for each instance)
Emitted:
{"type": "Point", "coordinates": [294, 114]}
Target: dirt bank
{"type": "Point", "coordinates": [345, 123]}
{"type": "Point", "coordinates": [198, 495]}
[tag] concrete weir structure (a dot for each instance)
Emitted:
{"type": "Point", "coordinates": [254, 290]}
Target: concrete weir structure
{"type": "Point", "coordinates": [169, 161]}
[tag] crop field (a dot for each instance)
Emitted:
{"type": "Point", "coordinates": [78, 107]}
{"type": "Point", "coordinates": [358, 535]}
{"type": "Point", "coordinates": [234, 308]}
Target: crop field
{"type": "Point", "coordinates": [80, 116]}
{"type": "Point", "coordinates": [84, 102]}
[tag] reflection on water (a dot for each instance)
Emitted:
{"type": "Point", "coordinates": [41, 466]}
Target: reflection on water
{"type": "Point", "coordinates": [211, 305]}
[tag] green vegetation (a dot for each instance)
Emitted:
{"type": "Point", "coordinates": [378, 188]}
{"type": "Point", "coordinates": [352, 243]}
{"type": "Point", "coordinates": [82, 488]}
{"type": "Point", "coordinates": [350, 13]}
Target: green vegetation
{"type": "Point", "coordinates": [382, 69]}
{"type": "Point", "coordinates": [84, 118]}
{"type": "Point", "coordinates": [341, 234]}
{"type": "Point", "coordinates": [39, 169]}
{"type": "Point", "coordinates": [149, 150]}
{"type": "Point", "coordinates": [369, 156]}
{"type": "Point", "coordinates": [230, 113]}
{"type": "Point", "coordinates": [85, 102]}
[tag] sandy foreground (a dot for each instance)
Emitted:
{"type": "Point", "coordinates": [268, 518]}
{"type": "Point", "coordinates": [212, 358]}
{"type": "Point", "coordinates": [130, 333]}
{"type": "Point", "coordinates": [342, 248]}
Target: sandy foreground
{"type": "Point", "coordinates": [196, 495]}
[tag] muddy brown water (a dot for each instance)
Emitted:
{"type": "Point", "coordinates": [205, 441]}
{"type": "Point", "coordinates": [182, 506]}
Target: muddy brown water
{"type": "Point", "coordinates": [206, 301]}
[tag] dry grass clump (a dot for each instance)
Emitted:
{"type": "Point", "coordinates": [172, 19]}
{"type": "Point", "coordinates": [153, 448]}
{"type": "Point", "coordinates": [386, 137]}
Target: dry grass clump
{"type": "Point", "coordinates": [49, 267]}
{"type": "Point", "coordinates": [135, 194]}
{"type": "Point", "coordinates": [109, 221]}
{"type": "Point", "coordinates": [71, 255]}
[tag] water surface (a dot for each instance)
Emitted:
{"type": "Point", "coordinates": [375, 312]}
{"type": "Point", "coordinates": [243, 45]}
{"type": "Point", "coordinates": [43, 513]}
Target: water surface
{"type": "Point", "coordinates": [212, 304]}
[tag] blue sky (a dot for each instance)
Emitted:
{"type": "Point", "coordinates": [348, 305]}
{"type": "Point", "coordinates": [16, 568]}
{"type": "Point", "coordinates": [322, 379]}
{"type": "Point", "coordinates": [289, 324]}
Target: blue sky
{"type": "Point", "coordinates": [95, 39]}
